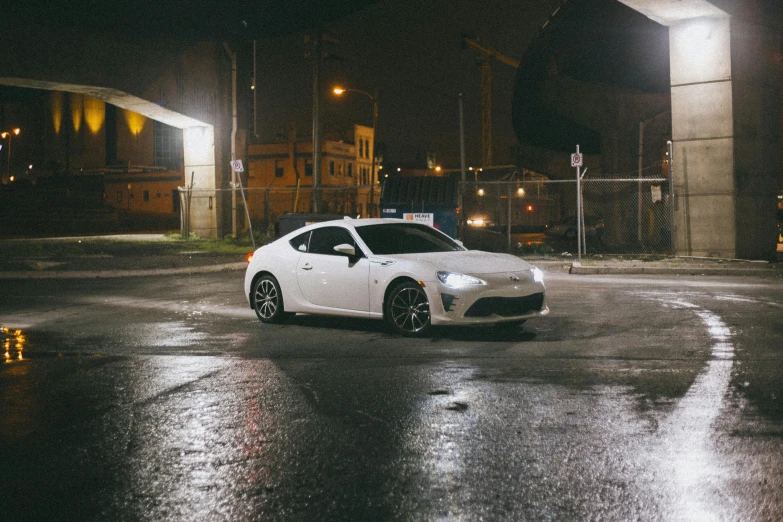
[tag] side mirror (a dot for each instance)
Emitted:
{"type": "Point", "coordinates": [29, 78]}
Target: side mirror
{"type": "Point", "coordinates": [345, 248]}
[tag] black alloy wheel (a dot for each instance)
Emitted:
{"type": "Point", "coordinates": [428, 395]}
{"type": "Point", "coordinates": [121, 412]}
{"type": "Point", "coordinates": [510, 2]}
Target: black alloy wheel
{"type": "Point", "coordinates": [268, 300]}
{"type": "Point", "coordinates": [408, 310]}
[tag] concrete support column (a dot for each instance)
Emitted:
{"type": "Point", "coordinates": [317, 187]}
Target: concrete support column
{"type": "Point", "coordinates": [199, 145]}
{"type": "Point", "coordinates": [726, 75]}
{"type": "Point", "coordinates": [703, 136]}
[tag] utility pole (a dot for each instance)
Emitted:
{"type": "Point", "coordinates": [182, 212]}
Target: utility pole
{"type": "Point", "coordinates": [317, 58]}
{"type": "Point", "coordinates": [487, 56]}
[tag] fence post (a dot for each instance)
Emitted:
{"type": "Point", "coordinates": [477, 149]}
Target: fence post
{"type": "Point", "coordinates": [579, 223]}
{"type": "Point", "coordinates": [670, 150]}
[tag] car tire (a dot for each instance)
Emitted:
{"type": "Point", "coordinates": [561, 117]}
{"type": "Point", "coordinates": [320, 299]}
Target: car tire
{"type": "Point", "coordinates": [268, 300]}
{"type": "Point", "coordinates": [407, 310]}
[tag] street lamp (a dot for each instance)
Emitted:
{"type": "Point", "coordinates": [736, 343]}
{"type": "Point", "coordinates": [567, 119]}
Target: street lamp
{"type": "Point", "coordinates": [8, 134]}
{"type": "Point", "coordinates": [339, 91]}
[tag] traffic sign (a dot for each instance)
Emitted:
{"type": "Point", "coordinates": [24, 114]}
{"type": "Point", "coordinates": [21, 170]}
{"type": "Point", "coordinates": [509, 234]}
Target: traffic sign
{"type": "Point", "coordinates": [576, 160]}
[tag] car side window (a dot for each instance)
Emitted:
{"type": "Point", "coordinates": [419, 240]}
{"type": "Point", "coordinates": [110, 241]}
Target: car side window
{"type": "Point", "coordinates": [323, 240]}
{"type": "Point", "coordinates": [301, 242]}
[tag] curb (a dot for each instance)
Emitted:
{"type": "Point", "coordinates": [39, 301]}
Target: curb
{"type": "Point", "coordinates": [124, 273]}
{"type": "Point", "coordinates": [659, 270]}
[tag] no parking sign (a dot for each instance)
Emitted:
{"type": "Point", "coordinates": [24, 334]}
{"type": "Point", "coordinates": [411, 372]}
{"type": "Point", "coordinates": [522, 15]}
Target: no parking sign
{"type": "Point", "coordinates": [576, 160]}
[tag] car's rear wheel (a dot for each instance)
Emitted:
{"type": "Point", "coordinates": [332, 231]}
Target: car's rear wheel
{"type": "Point", "coordinates": [407, 310]}
{"type": "Point", "coordinates": [268, 300]}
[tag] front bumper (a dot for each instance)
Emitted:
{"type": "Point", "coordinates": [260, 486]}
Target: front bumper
{"type": "Point", "coordinates": [502, 299]}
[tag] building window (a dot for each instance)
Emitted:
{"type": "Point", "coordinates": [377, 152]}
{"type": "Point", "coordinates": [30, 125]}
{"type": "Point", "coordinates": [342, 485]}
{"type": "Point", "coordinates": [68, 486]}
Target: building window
{"type": "Point", "coordinates": [146, 196]}
{"type": "Point", "coordinates": [279, 168]}
{"type": "Point", "coordinates": [168, 146]}
{"type": "Point", "coordinates": [350, 170]}
{"type": "Point", "coordinates": [361, 148]}
{"type": "Point", "coordinates": [309, 168]}
{"type": "Point", "coordinates": [119, 196]}
{"type": "Point", "coordinates": [340, 169]}
{"type": "Point", "coordinates": [331, 168]}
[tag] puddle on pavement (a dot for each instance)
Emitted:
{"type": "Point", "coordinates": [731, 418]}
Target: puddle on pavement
{"type": "Point", "coordinates": [16, 342]}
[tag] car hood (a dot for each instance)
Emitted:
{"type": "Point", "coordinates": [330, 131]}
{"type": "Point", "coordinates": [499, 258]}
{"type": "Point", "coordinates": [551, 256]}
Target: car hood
{"type": "Point", "coordinates": [468, 262]}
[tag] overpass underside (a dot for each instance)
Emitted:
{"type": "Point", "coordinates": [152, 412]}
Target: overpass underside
{"type": "Point", "coordinates": [721, 90]}
{"type": "Point", "coordinates": [725, 107]}
{"type": "Point", "coordinates": [181, 84]}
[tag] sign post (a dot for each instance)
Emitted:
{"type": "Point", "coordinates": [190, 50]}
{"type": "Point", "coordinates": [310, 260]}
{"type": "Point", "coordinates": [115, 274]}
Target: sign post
{"type": "Point", "coordinates": [238, 168]}
{"type": "Point", "coordinates": [576, 161]}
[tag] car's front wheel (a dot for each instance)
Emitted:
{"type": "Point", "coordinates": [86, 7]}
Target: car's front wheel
{"type": "Point", "coordinates": [268, 300]}
{"type": "Point", "coordinates": [407, 310]}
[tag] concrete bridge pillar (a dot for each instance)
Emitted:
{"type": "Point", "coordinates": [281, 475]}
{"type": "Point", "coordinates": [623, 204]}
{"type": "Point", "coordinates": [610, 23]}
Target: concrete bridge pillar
{"type": "Point", "coordinates": [199, 158]}
{"type": "Point", "coordinates": [725, 97]}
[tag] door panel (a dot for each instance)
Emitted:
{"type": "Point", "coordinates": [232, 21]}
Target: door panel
{"type": "Point", "coordinates": [334, 281]}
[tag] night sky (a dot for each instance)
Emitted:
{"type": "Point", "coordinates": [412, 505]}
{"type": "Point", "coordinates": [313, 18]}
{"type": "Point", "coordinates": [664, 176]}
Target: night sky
{"type": "Point", "coordinates": [409, 50]}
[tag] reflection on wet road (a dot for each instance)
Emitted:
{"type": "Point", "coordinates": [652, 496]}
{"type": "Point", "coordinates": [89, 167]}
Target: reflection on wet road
{"type": "Point", "coordinates": [689, 453]}
{"type": "Point", "coordinates": [634, 400]}
{"type": "Point", "coordinates": [13, 344]}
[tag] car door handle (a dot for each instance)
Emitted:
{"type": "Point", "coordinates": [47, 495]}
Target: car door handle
{"type": "Point", "coordinates": [308, 266]}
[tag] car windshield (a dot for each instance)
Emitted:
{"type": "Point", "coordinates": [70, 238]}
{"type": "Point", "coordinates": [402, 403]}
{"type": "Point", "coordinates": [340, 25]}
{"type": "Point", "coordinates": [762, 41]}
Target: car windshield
{"type": "Point", "coordinates": [404, 238]}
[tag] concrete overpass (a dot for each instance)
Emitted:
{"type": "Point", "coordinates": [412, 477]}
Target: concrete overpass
{"type": "Point", "coordinates": [182, 84]}
{"type": "Point", "coordinates": [725, 71]}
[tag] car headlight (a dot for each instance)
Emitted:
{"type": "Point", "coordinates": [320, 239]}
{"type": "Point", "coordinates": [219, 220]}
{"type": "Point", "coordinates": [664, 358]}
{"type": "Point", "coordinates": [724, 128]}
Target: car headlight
{"type": "Point", "coordinates": [538, 274]}
{"type": "Point", "coordinates": [454, 280]}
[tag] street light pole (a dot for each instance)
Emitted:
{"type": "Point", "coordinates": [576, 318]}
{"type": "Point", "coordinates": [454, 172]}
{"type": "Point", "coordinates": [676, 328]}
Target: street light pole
{"type": "Point", "coordinates": [374, 130]}
{"type": "Point", "coordinates": [374, 99]}
{"type": "Point", "coordinates": [9, 134]}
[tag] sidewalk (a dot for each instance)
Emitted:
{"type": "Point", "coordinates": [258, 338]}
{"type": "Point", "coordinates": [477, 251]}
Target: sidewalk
{"type": "Point", "coordinates": [155, 255]}
{"type": "Point", "coordinates": [678, 266]}
{"type": "Point", "coordinates": [132, 255]}
{"type": "Point", "coordinates": [204, 263]}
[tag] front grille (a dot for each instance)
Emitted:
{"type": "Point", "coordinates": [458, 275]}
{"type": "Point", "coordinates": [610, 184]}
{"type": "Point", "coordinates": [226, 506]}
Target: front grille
{"type": "Point", "coordinates": [506, 306]}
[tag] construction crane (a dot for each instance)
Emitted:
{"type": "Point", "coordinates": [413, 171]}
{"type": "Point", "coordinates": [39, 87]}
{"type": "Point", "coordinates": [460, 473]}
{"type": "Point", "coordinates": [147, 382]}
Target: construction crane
{"type": "Point", "coordinates": [487, 56]}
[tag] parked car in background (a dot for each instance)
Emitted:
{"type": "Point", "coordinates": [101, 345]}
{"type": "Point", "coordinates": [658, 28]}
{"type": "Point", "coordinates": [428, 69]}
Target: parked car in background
{"type": "Point", "coordinates": [567, 227]}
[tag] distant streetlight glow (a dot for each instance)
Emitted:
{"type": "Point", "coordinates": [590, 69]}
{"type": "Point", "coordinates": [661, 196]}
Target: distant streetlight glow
{"type": "Point", "coordinates": [339, 91]}
{"type": "Point", "coordinates": [520, 192]}
{"type": "Point", "coordinates": [9, 134]}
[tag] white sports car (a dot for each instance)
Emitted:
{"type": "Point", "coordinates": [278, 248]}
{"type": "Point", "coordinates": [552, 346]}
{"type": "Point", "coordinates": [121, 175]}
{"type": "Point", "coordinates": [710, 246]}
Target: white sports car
{"type": "Point", "coordinates": [407, 273]}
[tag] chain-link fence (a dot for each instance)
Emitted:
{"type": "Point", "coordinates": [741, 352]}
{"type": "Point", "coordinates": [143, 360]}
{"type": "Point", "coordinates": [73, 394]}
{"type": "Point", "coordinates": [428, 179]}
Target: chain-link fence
{"type": "Point", "coordinates": [620, 215]}
{"type": "Point", "coordinates": [265, 205]}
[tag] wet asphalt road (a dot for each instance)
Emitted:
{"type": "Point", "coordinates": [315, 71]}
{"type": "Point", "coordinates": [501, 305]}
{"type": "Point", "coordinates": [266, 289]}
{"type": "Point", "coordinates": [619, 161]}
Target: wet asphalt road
{"type": "Point", "coordinates": [163, 398]}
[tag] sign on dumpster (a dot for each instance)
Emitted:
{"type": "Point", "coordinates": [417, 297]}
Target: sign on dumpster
{"type": "Point", "coordinates": [427, 218]}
